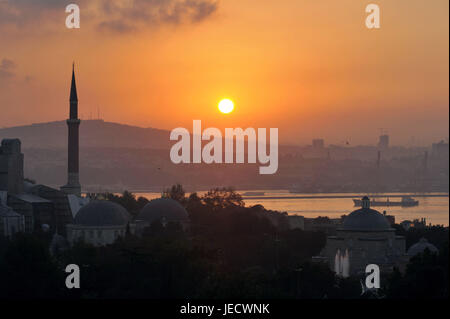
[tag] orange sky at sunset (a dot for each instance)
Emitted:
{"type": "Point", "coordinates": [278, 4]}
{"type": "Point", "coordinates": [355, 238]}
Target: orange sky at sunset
{"type": "Point", "coordinates": [310, 68]}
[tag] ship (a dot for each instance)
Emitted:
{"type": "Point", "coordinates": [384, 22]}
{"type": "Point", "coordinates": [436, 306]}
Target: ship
{"type": "Point", "coordinates": [407, 201]}
{"type": "Point", "coordinates": [253, 194]}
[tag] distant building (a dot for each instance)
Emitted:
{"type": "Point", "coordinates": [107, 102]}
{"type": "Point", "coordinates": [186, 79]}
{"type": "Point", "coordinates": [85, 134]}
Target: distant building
{"type": "Point", "coordinates": [383, 141]}
{"type": "Point", "coordinates": [10, 221]}
{"type": "Point", "coordinates": [364, 238]}
{"type": "Point", "coordinates": [11, 166]}
{"type": "Point", "coordinates": [164, 211]}
{"type": "Point", "coordinates": [322, 224]}
{"type": "Point", "coordinates": [296, 222]}
{"type": "Point", "coordinates": [440, 149]}
{"type": "Point", "coordinates": [416, 223]}
{"type": "Point", "coordinates": [318, 143]}
{"type": "Point", "coordinates": [390, 218]}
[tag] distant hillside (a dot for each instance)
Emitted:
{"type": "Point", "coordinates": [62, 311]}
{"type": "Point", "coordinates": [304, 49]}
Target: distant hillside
{"type": "Point", "coordinates": [93, 133]}
{"type": "Point", "coordinates": [116, 157]}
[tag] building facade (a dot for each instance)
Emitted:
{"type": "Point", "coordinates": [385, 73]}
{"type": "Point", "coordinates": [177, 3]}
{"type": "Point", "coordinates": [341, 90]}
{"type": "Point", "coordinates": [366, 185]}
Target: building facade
{"type": "Point", "coordinates": [364, 238]}
{"type": "Point", "coordinates": [99, 223]}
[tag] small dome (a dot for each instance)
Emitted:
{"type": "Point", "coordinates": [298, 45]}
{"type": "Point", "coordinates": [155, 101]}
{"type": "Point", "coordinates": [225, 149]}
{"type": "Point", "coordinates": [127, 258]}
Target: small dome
{"type": "Point", "coordinates": [420, 247]}
{"type": "Point", "coordinates": [366, 219]}
{"type": "Point", "coordinates": [166, 208]}
{"type": "Point", "coordinates": [102, 213]}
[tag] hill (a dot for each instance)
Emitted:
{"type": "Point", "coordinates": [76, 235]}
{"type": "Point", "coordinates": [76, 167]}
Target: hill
{"type": "Point", "coordinates": [93, 133]}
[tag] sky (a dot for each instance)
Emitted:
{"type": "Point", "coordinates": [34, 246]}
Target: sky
{"type": "Point", "coordinates": [310, 68]}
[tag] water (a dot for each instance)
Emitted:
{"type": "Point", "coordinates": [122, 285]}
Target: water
{"type": "Point", "coordinates": [434, 209]}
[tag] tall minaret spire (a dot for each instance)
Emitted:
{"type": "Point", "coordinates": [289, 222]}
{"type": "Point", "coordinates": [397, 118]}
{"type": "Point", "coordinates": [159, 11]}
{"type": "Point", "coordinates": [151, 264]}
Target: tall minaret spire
{"type": "Point", "coordinates": [73, 123]}
{"type": "Point", "coordinates": [73, 96]}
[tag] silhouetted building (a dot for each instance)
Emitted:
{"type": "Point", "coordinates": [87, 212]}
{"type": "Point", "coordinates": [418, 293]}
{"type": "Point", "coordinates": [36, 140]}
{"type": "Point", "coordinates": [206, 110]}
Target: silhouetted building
{"type": "Point", "coordinates": [318, 143]}
{"type": "Point", "coordinates": [390, 218]}
{"type": "Point", "coordinates": [73, 123]}
{"type": "Point", "coordinates": [10, 221]}
{"type": "Point", "coordinates": [11, 166]}
{"type": "Point", "coordinates": [296, 222]}
{"type": "Point", "coordinates": [322, 224]}
{"type": "Point", "coordinates": [40, 207]}
{"type": "Point", "coordinates": [416, 223]}
{"type": "Point", "coordinates": [440, 149]}
{"type": "Point", "coordinates": [383, 141]}
{"type": "Point", "coordinates": [99, 223]}
{"type": "Point", "coordinates": [164, 211]}
{"type": "Point", "coordinates": [364, 238]}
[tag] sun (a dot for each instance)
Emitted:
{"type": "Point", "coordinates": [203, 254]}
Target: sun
{"type": "Point", "coordinates": [226, 106]}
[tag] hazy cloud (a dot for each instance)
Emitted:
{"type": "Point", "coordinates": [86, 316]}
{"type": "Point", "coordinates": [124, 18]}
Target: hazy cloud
{"type": "Point", "coordinates": [124, 16]}
{"type": "Point", "coordinates": [20, 13]}
{"type": "Point", "coordinates": [117, 16]}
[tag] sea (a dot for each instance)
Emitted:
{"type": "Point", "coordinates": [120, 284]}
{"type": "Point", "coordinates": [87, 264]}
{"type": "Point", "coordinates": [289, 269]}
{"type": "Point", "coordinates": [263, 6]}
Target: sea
{"type": "Point", "coordinates": [432, 206]}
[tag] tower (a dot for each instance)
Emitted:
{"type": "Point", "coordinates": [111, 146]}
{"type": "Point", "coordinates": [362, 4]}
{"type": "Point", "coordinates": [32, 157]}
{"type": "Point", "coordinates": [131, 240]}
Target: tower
{"type": "Point", "coordinates": [383, 141]}
{"type": "Point", "coordinates": [11, 166]}
{"type": "Point", "coordinates": [73, 123]}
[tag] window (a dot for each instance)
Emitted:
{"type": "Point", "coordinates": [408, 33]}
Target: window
{"type": "Point", "coordinates": [99, 233]}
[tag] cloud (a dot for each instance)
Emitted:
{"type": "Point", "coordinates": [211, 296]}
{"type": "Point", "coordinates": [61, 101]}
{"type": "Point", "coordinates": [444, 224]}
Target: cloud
{"type": "Point", "coordinates": [117, 16]}
{"type": "Point", "coordinates": [125, 16]}
{"type": "Point", "coordinates": [7, 69]}
{"type": "Point", "coordinates": [20, 13]}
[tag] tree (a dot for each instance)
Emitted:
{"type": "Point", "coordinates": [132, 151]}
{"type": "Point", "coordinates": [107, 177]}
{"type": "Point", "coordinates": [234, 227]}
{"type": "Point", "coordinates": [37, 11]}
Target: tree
{"type": "Point", "coordinates": [176, 192]}
{"type": "Point", "coordinates": [426, 277]}
{"type": "Point", "coordinates": [28, 271]}
{"type": "Point", "coordinates": [219, 198]}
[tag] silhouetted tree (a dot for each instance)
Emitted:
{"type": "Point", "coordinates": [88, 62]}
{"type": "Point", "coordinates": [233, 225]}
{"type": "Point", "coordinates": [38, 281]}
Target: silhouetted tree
{"type": "Point", "coordinates": [176, 192]}
{"type": "Point", "coordinates": [28, 271]}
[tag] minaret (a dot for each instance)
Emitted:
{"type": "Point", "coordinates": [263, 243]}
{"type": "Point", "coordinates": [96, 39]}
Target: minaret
{"type": "Point", "coordinates": [73, 184]}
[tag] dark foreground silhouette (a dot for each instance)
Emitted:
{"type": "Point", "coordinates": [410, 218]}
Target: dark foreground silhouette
{"type": "Point", "coordinates": [230, 251]}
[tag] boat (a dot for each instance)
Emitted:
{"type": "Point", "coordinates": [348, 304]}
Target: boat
{"type": "Point", "coordinates": [407, 201]}
{"type": "Point", "coordinates": [253, 194]}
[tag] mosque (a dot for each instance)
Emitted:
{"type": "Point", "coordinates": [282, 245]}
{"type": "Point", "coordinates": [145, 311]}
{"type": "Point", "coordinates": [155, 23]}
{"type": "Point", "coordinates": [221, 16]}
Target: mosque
{"type": "Point", "coordinates": [364, 238]}
{"type": "Point", "coordinates": [28, 207]}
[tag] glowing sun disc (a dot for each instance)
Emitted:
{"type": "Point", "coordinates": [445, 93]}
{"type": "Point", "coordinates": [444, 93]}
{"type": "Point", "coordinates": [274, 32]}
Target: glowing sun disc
{"type": "Point", "coordinates": [226, 106]}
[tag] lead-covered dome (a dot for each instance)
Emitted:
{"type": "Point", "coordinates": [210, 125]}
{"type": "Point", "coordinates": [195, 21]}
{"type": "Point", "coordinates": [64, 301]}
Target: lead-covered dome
{"type": "Point", "coordinates": [102, 213]}
{"type": "Point", "coordinates": [366, 219]}
{"type": "Point", "coordinates": [421, 246]}
{"type": "Point", "coordinates": [163, 208]}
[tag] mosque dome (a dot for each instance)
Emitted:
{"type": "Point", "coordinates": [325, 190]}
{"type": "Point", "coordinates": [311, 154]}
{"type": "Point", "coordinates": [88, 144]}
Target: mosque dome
{"type": "Point", "coordinates": [102, 213]}
{"type": "Point", "coordinates": [163, 208]}
{"type": "Point", "coordinates": [420, 247]}
{"type": "Point", "coordinates": [366, 219]}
